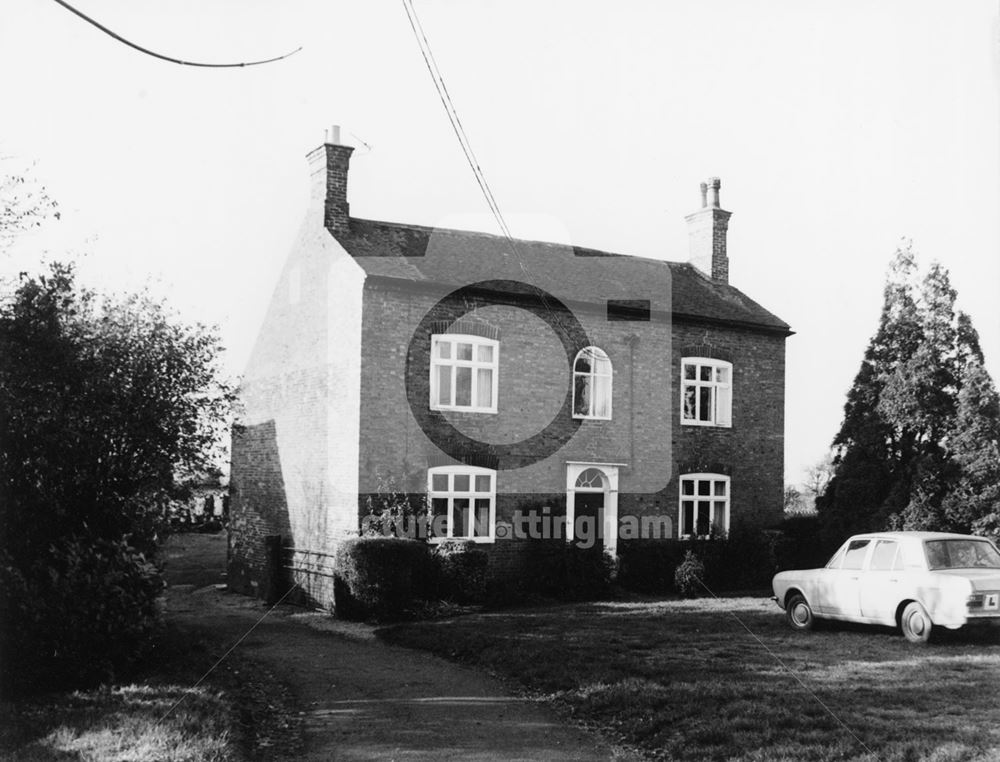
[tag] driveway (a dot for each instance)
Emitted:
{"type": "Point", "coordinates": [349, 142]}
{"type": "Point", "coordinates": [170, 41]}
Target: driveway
{"type": "Point", "coordinates": [356, 697]}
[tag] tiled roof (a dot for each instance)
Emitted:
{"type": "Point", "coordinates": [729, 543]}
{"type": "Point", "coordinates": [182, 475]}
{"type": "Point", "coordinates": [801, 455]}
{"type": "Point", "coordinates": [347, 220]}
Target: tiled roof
{"type": "Point", "coordinates": [434, 255]}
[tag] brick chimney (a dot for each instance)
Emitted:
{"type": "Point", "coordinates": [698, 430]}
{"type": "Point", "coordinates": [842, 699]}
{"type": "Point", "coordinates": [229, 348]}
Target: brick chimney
{"type": "Point", "coordinates": [328, 167]}
{"type": "Point", "coordinates": [707, 229]}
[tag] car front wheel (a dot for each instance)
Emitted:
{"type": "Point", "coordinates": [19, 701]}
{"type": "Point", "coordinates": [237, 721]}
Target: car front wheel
{"type": "Point", "coordinates": [915, 623]}
{"type": "Point", "coordinates": [799, 613]}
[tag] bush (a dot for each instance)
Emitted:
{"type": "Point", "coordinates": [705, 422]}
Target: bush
{"type": "Point", "coordinates": [587, 572]}
{"type": "Point", "coordinates": [648, 566]}
{"type": "Point", "coordinates": [746, 559]}
{"type": "Point", "coordinates": [690, 575]}
{"type": "Point", "coordinates": [461, 572]}
{"type": "Point", "coordinates": [379, 577]}
{"type": "Point", "coordinates": [77, 615]}
{"type": "Point", "coordinates": [565, 570]}
{"type": "Point", "coordinates": [802, 544]}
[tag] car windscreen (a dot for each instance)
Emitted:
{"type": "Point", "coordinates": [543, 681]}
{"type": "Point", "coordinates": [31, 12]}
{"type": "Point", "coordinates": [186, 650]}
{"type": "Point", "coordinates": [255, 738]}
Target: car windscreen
{"type": "Point", "coordinates": [961, 554]}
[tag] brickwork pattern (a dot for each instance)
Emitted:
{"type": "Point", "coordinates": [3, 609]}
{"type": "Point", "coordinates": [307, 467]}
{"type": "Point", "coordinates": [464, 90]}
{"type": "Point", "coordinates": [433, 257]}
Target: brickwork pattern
{"type": "Point", "coordinates": [294, 454]}
{"type": "Point", "coordinates": [645, 432]}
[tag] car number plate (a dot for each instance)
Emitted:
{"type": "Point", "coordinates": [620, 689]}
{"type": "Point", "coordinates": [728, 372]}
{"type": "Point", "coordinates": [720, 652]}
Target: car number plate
{"type": "Point", "coordinates": [990, 601]}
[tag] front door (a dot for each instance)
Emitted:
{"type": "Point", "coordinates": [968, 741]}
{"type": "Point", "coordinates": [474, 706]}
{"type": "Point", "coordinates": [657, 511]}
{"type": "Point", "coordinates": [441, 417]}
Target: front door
{"type": "Point", "coordinates": [588, 527]}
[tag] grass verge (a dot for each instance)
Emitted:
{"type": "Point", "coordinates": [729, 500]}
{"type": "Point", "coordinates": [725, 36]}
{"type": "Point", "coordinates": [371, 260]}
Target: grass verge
{"type": "Point", "coordinates": [685, 680]}
{"type": "Point", "coordinates": [241, 712]}
{"type": "Point", "coordinates": [122, 723]}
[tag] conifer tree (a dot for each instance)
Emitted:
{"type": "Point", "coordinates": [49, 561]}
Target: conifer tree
{"type": "Point", "coordinates": [973, 502]}
{"type": "Point", "coordinates": [868, 450]}
{"type": "Point", "coordinates": [918, 447]}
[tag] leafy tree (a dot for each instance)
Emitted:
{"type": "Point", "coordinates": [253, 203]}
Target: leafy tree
{"type": "Point", "coordinates": [817, 477]}
{"type": "Point", "coordinates": [913, 450]}
{"type": "Point", "coordinates": [794, 501]}
{"type": "Point", "coordinates": [102, 402]}
{"type": "Point", "coordinates": [23, 205]}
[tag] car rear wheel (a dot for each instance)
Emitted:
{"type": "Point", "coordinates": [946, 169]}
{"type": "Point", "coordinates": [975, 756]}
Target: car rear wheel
{"type": "Point", "coordinates": [799, 613]}
{"type": "Point", "coordinates": [915, 623]}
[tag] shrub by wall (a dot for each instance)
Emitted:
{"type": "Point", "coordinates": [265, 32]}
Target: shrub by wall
{"type": "Point", "coordinates": [689, 576]}
{"type": "Point", "coordinates": [803, 545]}
{"type": "Point", "coordinates": [380, 577]}
{"type": "Point", "coordinates": [461, 572]}
{"type": "Point", "coordinates": [562, 570]}
{"type": "Point", "coordinates": [745, 560]}
{"type": "Point", "coordinates": [647, 566]}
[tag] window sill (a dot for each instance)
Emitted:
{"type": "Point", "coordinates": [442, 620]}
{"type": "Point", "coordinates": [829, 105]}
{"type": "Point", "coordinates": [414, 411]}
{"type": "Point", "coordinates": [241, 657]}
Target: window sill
{"type": "Point", "coordinates": [477, 540]}
{"type": "Point", "coordinates": [473, 410]}
{"type": "Point", "coordinates": [706, 424]}
{"type": "Point", "coordinates": [590, 418]}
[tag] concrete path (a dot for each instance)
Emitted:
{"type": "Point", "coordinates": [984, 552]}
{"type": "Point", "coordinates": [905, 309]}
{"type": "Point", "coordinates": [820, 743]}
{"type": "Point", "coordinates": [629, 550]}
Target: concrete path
{"type": "Point", "coordinates": [361, 699]}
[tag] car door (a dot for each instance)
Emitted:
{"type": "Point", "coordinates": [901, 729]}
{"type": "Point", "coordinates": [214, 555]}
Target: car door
{"type": "Point", "coordinates": [880, 583]}
{"type": "Point", "coordinates": [845, 587]}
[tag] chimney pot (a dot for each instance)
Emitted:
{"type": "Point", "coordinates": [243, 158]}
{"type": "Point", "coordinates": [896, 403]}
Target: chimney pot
{"type": "Point", "coordinates": [714, 184]}
{"type": "Point", "coordinates": [704, 195]}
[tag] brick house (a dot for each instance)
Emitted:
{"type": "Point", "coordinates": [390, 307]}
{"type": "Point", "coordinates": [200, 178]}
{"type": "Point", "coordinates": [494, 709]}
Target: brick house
{"type": "Point", "coordinates": [533, 392]}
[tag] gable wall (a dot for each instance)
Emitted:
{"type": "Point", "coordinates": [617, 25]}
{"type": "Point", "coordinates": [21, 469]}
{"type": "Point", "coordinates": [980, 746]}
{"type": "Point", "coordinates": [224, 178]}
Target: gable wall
{"type": "Point", "coordinates": [295, 449]}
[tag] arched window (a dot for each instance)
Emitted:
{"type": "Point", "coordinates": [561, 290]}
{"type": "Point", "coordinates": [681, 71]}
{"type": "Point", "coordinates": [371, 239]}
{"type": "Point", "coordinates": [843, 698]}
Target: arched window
{"type": "Point", "coordinates": [590, 479]}
{"type": "Point", "coordinates": [592, 384]}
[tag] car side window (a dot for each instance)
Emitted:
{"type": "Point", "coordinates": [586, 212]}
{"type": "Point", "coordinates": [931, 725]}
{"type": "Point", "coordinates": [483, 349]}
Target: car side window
{"type": "Point", "coordinates": [855, 556]}
{"type": "Point", "coordinates": [884, 555]}
{"type": "Point", "coordinates": [910, 556]}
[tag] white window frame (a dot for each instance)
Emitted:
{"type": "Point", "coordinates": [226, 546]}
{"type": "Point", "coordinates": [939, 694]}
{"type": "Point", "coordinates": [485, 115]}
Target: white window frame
{"type": "Point", "coordinates": [593, 375]}
{"type": "Point", "coordinates": [711, 498]}
{"type": "Point", "coordinates": [475, 365]}
{"type": "Point", "coordinates": [472, 494]}
{"type": "Point", "coordinates": [720, 394]}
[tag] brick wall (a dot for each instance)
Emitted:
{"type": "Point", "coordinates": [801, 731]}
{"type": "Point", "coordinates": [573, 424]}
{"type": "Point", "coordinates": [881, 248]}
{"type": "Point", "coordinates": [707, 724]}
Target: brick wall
{"type": "Point", "coordinates": [645, 434]}
{"type": "Point", "coordinates": [295, 448]}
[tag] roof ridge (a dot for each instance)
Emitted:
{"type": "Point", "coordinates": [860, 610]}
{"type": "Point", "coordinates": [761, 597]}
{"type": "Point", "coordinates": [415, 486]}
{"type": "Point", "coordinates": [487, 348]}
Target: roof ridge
{"type": "Point", "coordinates": [398, 249]}
{"type": "Point", "coordinates": [531, 241]}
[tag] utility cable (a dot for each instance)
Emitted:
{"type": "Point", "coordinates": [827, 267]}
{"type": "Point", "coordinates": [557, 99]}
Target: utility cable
{"type": "Point", "coordinates": [463, 139]}
{"type": "Point", "coordinates": [162, 57]}
{"type": "Point", "coordinates": [224, 656]}
{"type": "Point", "coordinates": [791, 672]}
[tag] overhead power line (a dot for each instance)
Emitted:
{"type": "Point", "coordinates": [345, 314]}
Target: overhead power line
{"type": "Point", "coordinates": [463, 140]}
{"type": "Point", "coordinates": [456, 123]}
{"type": "Point", "coordinates": [162, 57]}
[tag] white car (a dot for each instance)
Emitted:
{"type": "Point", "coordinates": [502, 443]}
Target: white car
{"type": "Point", "coordinates": [911, 580]}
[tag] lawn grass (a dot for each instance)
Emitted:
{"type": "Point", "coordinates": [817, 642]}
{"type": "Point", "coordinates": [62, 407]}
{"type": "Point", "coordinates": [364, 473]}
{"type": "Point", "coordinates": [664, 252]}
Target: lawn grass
{"type": "Point", "coordinates": [242, 711]}
{"type": "Point", "coordinates": [685, 680]}
{"type": "Point", "coordinates": [123, 723]}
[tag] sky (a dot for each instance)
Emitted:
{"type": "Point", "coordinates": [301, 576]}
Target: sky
{"type": "Point", "coordinates": [837, 129]}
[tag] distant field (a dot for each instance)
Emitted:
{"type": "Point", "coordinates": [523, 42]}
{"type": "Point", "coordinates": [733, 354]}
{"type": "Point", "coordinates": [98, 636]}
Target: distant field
{"type": "Point", "coordinates": [685, 680]}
